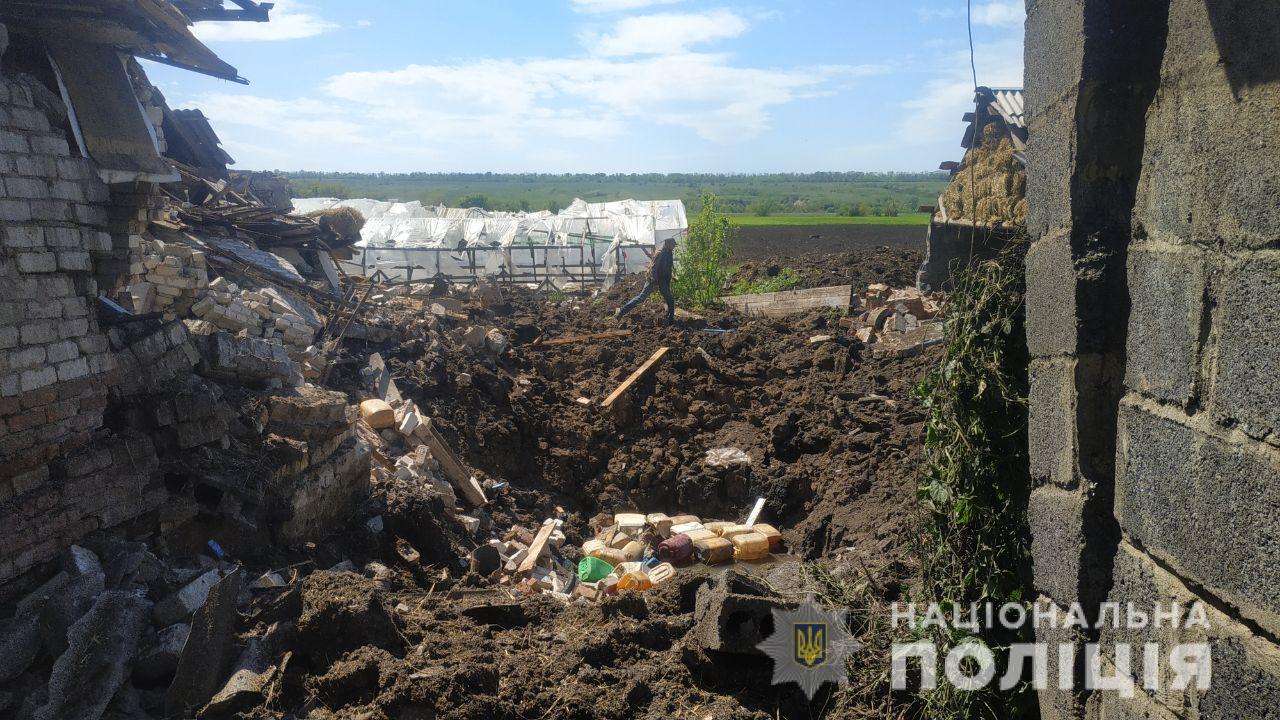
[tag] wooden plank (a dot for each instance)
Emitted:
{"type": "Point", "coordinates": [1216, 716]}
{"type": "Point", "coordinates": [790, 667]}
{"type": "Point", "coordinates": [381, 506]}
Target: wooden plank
{"type": "Point", "coordinates": [639, 373]}
{"type": "Point", "coordinates": [536, 547]}
{"type": "Point", "coordinates": [450, 466]}
{"type": "Point", "coordinates": [607, 334]}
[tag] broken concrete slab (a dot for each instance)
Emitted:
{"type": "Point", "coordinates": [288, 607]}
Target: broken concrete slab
{"type": "Point", "coordinates": [734, 614]}
{"type": "Point", "coordinates": [378, 379]}
{"type": "Point", "coordinates": [72, 598]}
{"type": "Point", "coordinates": [158, 656]}
{"type": "Point", "coordinates": [101, 648]}
{"type": "Point", "coordinates": [181, 604]}
{"type": "Point", "coordinates": [208, 650]}
{"type": "Point", "coordinates": [247, 684]}
{"type": "Point", "coordinates": [787, 302]}
{"type": "Point", "coordinates": [19, 645]}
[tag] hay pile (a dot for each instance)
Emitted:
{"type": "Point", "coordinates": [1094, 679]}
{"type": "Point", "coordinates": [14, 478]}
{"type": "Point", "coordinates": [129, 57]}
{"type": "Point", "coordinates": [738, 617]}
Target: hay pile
{"type": "Point", "coordinates": [344, 222]}
{"type": "Point", "coordinates": [991, 188]}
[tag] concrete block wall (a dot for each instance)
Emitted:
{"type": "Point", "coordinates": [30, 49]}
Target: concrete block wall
{"type": "Point", "coordinates": [1154, 323]}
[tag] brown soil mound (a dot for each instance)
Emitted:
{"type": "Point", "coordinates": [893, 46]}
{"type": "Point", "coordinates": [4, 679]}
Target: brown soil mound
{"type": "Point", "coordinates": [833, 434]}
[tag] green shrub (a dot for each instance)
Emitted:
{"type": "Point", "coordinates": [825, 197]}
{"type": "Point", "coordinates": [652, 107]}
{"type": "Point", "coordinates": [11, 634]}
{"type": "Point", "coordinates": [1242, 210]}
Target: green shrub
{"type": "Point", "coordinates": [786, 279]}
{"type": "Point", "coordinates": [700, 271]}
{"type": "Point", "coordinates": [974, 544]}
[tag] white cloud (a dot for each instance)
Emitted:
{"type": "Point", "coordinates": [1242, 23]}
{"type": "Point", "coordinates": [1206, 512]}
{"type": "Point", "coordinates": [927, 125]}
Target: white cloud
{"type": "Point", "coordinates": [929, 14]}
{"type": "Point", "coordinates": [495, 113]}
{"type": "Point", "coordinates": [1007, 13]}
{"type": "Point", "coordinates": [606, 6]}
{"type": "Point", "coordinates": [997, 13]}
{"type": "Point", "coordinates": [934, 115]}
{"type": "Point", "coordinates": [666, 33]}
{"type": "Point", "coordinates": [289, 21]}
{"type": "Point", "coordinates": [364, 23]}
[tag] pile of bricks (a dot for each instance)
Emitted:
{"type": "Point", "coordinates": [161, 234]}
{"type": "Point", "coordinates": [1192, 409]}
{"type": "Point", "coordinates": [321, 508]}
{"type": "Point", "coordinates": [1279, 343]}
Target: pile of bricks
{"type": "Point", "coordinates": [176, 276]}
{"type": "Point", "coordinates": [324, 468]}
{"type": "Point", "coordinates": [258, 313]}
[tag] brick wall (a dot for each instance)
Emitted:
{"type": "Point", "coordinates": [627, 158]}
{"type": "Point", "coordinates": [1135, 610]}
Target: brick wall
{"type": "Point", "coordinates": [52, 355]}
{"type": "Point", "coordinates": [1154, 323]}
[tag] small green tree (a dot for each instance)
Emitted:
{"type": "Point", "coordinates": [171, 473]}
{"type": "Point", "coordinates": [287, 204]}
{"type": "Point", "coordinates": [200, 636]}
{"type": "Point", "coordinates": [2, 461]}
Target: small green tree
{"type": "Point", "coordinates": [700, 272]}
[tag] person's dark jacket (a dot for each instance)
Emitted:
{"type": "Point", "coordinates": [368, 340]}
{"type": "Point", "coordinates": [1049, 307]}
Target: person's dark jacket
{"type": "Point", "coordinates": [660, 271]}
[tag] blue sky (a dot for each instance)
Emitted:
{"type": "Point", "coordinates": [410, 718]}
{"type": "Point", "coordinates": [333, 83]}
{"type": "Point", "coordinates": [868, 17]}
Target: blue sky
{"type": "Point", "coordinates": [601, 85]}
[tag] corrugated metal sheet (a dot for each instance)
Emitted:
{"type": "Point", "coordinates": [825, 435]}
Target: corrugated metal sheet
{"type": "Point", "coordinates": [1008, 103]}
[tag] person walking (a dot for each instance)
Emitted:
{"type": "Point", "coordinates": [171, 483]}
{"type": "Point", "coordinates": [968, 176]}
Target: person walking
{"type": "Point", "coordinates": [659, 279]}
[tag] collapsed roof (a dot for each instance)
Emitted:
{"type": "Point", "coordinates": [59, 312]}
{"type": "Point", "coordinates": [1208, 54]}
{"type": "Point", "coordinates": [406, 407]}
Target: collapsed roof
{"type": "Point", "coordinates": [157, 30]}
{"type": "Point", "coordinates": [1002, 107]}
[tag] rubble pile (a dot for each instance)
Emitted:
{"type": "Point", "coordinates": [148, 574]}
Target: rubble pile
{"type": "Point", "coordinates": [898, 322]}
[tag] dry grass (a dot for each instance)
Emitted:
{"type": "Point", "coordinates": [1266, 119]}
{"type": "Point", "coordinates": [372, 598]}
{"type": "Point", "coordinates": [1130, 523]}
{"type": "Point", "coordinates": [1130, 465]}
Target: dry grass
{"type": "Point", "coordinates": [992, 186]}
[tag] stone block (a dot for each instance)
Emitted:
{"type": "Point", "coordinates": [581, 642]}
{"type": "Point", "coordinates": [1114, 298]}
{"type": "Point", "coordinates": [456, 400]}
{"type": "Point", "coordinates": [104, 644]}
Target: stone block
{"type": "Point", "coordinates": [29, 188]}
{"type": "Point", "coordinates": [15, 211]}
{"type": "Point", "coordinates": [74, 261]}
{"type": "Point", "coordinates": [734, 614]}
{"type": "Point", "coordinates": [22, 237]}
{"type": "Point", "coordinates": [180, 605]}
{"type": "Point", "coordinates": [1190, 497]}
{"type": "Point", "coordinates": [1056, 702]}
{"type": "Point", "coordinates": [36, 379]}
{"type": "Point", "coordinates": [1051, 426]}
{"type": "Point", "coordinates": [102, 645]}
{"type": "Point", "coordinates": [37, 262]}
{"type": "Point", "coordinates": [1240, 658]}
{"type": "Point", "coordinates": [1051, 297]}
{"type": "Point", "coordinates": [38, 333]}
{"type": "Point", "coordinates": [158, 657]}
{"type": "Point", "coordinates": [1247, 385]}
{"type": "Point", "coordinates": [1072, 539]}
{"type": "Point", "coordinates": [1193, 142]}
{"type": "Point", "coordinates": [209, 649]}
{"type": "Point", "coordinates": [1167, 291]}
{"type": "Point", "coordinates": [248, 682]}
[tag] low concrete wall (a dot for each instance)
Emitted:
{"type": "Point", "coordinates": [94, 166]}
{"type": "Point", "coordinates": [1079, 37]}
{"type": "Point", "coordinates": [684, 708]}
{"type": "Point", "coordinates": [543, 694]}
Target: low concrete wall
{"type": "Point", "coordinates": [949, 246]}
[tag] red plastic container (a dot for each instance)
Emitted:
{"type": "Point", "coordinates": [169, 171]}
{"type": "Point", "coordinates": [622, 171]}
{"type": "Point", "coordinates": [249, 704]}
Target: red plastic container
{"type": "Point", "coordinates": [677, 550]}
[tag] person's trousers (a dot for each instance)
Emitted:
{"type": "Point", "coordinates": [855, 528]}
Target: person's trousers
{"type": "Point", "coordinates": [646, 291]}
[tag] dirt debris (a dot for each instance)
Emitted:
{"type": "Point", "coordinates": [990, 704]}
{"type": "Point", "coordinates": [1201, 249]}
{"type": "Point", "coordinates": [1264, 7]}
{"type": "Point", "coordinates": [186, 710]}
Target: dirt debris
{"type": "Point", "coordinates": [483, 431]}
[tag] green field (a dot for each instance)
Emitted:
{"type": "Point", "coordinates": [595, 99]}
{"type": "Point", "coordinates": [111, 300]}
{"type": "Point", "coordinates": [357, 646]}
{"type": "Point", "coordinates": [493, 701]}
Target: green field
{"type": "Point", "coordinates": [771, 199]}
{"type": "Point", "coordinates": [787, 220]}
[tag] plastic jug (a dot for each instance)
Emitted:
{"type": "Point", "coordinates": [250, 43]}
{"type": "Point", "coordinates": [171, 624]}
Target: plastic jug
{"type": "Point", "coordinates": [677, 550]}
{"type": "Point", "coordinates": [662, 573]}
{"type": "Point", "coordinates": [636, 580]}
{"type": "Point", "coordinates": [683, 519]}
{"type": "Point", "coordinates": [718, 527]}
{"type": "Point", "coordinates": [713, 551]}
{"type": "Point", "coordinates": [633, 550]}
{"type": "Point", "coordinates": [750, 546]}
{"type": "Point", "coordinates": [591, 569]}
{"type": "Point", "coordinates": [700, 534]}
{"type": "Point", "coordinates": [630, 523]}
{"type": "Point", "coordinates": [676, 529]}
{"type": "Point", "coordinates": [769, 531]}
{"type": "Point", "coordinates": [613, 556]}
{"type": "Point", "coordinates": [732, 530]}
{"type": "Point", "coordinates": [592, 546]}
{"type": "Point", "coordinates": [660, 523]}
